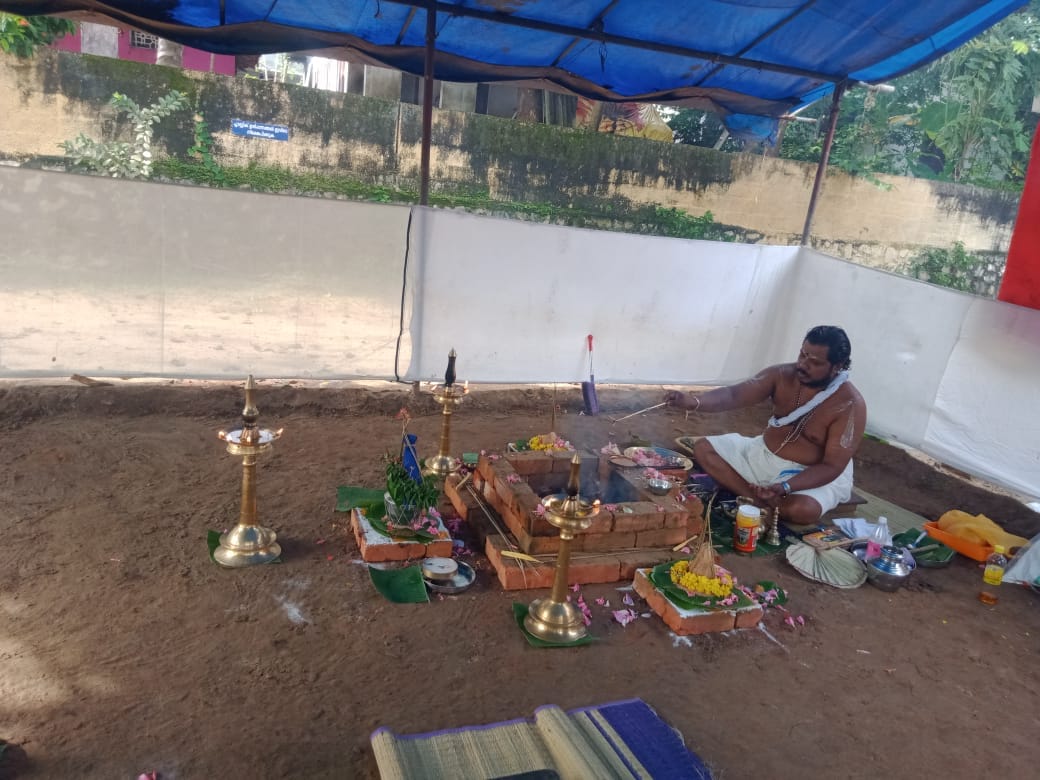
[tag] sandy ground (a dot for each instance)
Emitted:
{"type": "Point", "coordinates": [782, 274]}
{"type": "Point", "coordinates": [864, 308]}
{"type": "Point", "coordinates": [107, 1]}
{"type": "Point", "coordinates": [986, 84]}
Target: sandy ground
{"type": "Point", "coordinates": [125, 650]}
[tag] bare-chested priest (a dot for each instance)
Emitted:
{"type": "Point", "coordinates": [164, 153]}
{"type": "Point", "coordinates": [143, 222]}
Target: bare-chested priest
{"type": "Point", "coordinates": [802, 463]}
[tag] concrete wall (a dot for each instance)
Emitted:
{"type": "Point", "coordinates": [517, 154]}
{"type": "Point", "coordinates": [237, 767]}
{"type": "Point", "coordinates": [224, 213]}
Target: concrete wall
{"type": "Point", "coordinates": [55, 96]}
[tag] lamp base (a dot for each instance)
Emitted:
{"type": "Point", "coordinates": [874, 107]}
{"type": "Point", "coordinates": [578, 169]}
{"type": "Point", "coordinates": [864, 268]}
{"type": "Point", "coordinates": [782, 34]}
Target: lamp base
{"type": "Point", "coordinates": [555, 621]}
{"type": "Point", "coordinates": [441, 465]}
{"type": "Point", "coordinates": [247, 545]}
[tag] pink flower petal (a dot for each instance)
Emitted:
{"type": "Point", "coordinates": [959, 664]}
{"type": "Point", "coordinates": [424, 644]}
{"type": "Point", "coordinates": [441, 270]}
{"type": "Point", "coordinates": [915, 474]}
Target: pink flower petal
{"type": "Point", "coordinates": [624, 616]}
{"type": "Point", "coordinates": [575, 587]}
{"type": "Point", "coordinates": [801, 620]}
{"type": "Point", "coordinates": [628, 600]}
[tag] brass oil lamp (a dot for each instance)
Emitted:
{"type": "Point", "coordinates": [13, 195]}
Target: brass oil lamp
{"type": "Point", "coordinates": [248, 543]}
{"type": "Point", "coordinates": [448, 395]}
{"type": "Point", "coordinates": [555, 619]}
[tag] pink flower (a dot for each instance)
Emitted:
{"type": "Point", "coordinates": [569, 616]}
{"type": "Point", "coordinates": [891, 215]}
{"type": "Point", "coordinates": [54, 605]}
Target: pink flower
{"type": "Point", "coordinates": [602, 601]}
{"type": "Point", "coordinates": [610, 507]}
{"type": "Point", "coordinates": [539, 510]}
{"type": "Point", "coordinates": [512, 479]}
{"type": "Point", "coordinates": [624, 616]}
{"type": "Point", "coordinates": [575, 588]}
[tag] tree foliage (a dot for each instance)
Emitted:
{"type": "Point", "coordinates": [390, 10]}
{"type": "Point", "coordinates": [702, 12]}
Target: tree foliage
{"type": "Point", "coordinates": [966, 117]}
{"type": "Point", "coordinates": [23, 35]}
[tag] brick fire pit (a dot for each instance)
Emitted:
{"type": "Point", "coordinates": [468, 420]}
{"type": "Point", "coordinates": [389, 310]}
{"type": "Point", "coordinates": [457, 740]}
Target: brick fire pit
{"type": "Point", "coordinates": [634, 528]}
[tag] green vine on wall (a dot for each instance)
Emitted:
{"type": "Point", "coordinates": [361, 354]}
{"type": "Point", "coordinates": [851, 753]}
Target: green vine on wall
{"type": "Point", "coordinates": [202, 149]}
{"type": "Point", "coordinates": [120, 159]}
{"type": "Point", "coordinates": [954, 268]}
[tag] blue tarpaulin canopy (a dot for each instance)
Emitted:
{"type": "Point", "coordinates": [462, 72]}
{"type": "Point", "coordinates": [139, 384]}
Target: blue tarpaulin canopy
{"type": "Point", "coordinates": [750, 60]}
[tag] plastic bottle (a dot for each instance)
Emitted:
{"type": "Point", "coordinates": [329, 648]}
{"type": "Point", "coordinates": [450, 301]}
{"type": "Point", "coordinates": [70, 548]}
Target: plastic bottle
{"type": "Point", "coordinates": [880, 537]}
{"type": "Point", "coordinates": [993, 575]}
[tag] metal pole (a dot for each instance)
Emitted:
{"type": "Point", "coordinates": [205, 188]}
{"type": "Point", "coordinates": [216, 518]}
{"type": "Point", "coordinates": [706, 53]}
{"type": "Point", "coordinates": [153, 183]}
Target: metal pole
{"type": "Point", "coordinates": [427, 106]}
{"type": "Point", "coordinates": [839, 90]}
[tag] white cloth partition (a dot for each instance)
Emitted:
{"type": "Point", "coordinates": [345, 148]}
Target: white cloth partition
{"type": "Point", "coordinates": [116, 278]}
{"type": "Point", "coordinates": [985, 416]}
{"type": "Point", "coordinates": [516, 300]}
{"type": "Point", "coordinates": [113, 278]}
{"type": "Point", "coordinates": [945, 372]}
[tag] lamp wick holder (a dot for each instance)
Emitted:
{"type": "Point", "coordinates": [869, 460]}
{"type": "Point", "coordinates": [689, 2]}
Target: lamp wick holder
{"type": "Point", "coordinates": [555, 619]}
{"type": "Point", "coordinates": [248, 543]}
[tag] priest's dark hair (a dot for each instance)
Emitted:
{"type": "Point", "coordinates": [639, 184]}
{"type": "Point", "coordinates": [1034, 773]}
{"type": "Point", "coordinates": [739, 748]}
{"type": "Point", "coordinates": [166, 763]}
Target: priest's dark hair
{"type": "Point", "coordinates": [839, 350]}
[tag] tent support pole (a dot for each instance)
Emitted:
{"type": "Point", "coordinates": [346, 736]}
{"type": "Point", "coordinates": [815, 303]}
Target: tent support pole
{"type": "Point", "coordinates": [427, 106]}
{"type": "Point", "coordinates": [832, 123]}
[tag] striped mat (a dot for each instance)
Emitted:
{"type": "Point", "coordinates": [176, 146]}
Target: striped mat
{"type": "Point", "coordinates": [624, 739]}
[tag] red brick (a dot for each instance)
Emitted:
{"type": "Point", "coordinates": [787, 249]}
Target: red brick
{"type": "Point", "coordinates": [463, 501]}
{"type": "Point", "coordinates": [607, 542]}
{"type": "Point", "coordinates": [518, 575]}
{"type": "Point", "coordinates": [526, 499]}
{"type": "Point", "coordinates": [514, 522]}
{"type": "Point", "coordinates": [486, 467]}
{"type": "Point", "coordinates": [586, 572]}
{"type": "Point", "coordinates": [662, 537]}
{"type": "Point", "coordinates": [505, 491]}
{"type": "Point", "coordinates": [694, 524]}
{"type": "Point", "coordinates": [528, 463]}
{"type": "Point", "coordinates": [602, 522]}
{"type": "Point", "coordinates": [388, 551]}
{"type": "Point", "coordinates": [492, 497]}
{"type": "Point", "coordinates": [703, 623]}
{"type": "Point", "coordinates": [562, 462]}
{"type": "Point", "coordinates": [749, 617]}
{"type": "Point", "coordinates": [537, 525]}
{"type": "Point", "coordinates": [537, 545]}
{"type": "Point", "coordinates": [641, 521]}
{"type": "Point", "coordinates": [438, 549]}
{"type": "Point", "coordinates": [676, 519]}
{"type": "Point", "coordinates": [391, 550]}
{"type": "Point", "coordinates": [514, 574]}
{"type": "Point", "coordinates": [694, 506]}
{"type": "Point", "coordinates": [686, 624]}
{"type": "Point", "coordinates": [641, 559]}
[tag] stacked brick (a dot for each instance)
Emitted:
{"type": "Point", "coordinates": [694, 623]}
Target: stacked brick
{"type": "Point", "coordinates": [623, 536]}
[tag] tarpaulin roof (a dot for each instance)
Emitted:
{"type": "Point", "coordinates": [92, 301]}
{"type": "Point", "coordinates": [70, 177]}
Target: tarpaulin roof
{"type": "Point", "coordinates": [756, 58]}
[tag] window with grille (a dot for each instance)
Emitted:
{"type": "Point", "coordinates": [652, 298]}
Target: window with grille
{"type": "Point", "coordinates": [143, 40]}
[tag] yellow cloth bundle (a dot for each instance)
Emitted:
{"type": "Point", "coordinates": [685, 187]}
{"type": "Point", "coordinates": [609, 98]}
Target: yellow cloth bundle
{"type": "Point", "coordinates": [978, 529]}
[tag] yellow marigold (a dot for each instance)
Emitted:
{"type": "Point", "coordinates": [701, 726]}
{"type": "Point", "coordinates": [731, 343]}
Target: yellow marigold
{"type": "Point", "coordinates": [717, 587]}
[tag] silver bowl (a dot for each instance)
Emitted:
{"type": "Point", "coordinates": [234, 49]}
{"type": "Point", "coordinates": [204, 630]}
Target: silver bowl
{"type": "Point", "coordinates": [659, 487]}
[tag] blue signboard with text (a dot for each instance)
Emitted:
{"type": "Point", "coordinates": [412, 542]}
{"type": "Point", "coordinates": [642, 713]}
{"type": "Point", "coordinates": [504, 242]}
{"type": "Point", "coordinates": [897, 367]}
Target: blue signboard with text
{"type": "Point", "coordinates": [251, 129]}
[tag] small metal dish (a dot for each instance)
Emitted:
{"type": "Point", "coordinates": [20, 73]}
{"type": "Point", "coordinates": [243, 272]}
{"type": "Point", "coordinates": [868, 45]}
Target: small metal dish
{"type": "Point", "coordinates": [463, 578]}
{"type": "Point", "coordinates": [439, 569]}
{"type": "Point", "coordinates": [659, 487]}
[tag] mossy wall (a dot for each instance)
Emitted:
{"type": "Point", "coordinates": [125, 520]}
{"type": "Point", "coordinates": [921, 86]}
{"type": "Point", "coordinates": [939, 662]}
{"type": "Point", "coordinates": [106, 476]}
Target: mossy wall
{"type": "Point", "coordinates": [353, 146]}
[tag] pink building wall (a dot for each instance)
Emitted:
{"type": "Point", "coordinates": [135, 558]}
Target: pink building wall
{"type": "Point", "coordinates": [194, 59]}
